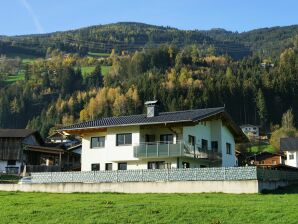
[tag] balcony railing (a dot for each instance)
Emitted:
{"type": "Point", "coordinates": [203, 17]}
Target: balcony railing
{"type": "Point", "coordinates": [170, 149]}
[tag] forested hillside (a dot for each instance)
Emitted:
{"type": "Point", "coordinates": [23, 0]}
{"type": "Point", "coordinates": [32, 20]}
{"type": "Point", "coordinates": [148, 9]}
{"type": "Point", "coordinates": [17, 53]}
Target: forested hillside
{"type": "Point", "coordinates": [62, 78]}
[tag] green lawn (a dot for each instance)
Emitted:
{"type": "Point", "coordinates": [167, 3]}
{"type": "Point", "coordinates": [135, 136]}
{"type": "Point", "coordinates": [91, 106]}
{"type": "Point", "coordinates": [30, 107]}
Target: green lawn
{"type": "Point", "coordinates": [105, 69]}
{"type": "Point", "coordinates": [88, 69]}
{"type": "Point", "coordinates": [98, 54]}
{"type": "Point", "coordinates": [262, 148]}
{"type": "Point", "coordinates": [19, 207]}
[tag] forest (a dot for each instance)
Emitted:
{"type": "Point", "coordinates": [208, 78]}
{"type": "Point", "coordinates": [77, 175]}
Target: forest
{"type": "Point", "coordinates": [47, 82]}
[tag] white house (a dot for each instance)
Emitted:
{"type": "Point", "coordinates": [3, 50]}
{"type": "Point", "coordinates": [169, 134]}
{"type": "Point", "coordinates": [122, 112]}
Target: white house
{"type": "Point", "coordinates": [290, 147]}
{"type": "Point", "coordinates": [181, 139]}
{"type": "Point", "coordinates": [250, 130]}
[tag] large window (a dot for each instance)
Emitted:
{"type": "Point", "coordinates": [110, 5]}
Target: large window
{"type": "Point", "coordinates": [291, 156]}
{"type": "Point", "coordinates": [95, 167]}
{"type": "Point", "coordinates": [204, 144]}
{"type": "Point", "coordinates": [123, 139]}
{"type": "Point", "coordinates": [150, 138]}
{"type": "Point", "coordinates": [191, 140]}
{"type": "Point", "coordinates": [168, 138]}
{"type": "Point", "coordinates": [228, 148]}
{"type": "Point", "coordinates": [98, 142]}
{"type": "Point", "coordinates": [214, 146]}
{"type": "Point", "coordinates": [109, 166]}
{"type": "Point", "coordinates": [122, 166]}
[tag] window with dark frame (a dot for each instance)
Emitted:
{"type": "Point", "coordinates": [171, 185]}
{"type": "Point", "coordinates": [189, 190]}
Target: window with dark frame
{"type": "Point", "coordinates": [204, 144]}
{"type": "Point", "coordinates": [291, 156]}
{"type": "Point", "coordinates": [11, 162]}
{"type": "Point", "coordinates": [228, 149]}
{"type": "Point", "coordinates": [214, 146]}
{"type": "Point", "coordinates": [122, 166]}
{"type": "Point", "coordinates": [109, 166]}
{"type": "Point", "coordinates": [167, 138]}
{"type": "Point", "coordinates": [150, 138]}
{"type": "Point", "coordinates": [191, 140]}
{"type": "Point", "coordinates": [97, 142]}
{"type": "Point", "coordinates": [95, 167]}
{"type": "Point", "coordinates": [154, 165]}
{"type": "Point", "coordinates": [123, 139]}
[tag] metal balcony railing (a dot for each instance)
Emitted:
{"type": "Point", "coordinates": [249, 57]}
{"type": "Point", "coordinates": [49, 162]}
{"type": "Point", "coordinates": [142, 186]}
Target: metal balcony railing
{"type": "Point", "coordinates": [170, 149]}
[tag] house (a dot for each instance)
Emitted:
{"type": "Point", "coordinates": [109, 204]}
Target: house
{"type": "Point", "coordinates": [290, 147]}
{"type": "Point", "coordinates": [181, 139]}
{"type": "Point", "coordinates": [24, 147]}
{"type": "Point", "coordinates": [250, 130]}
{"type": "Point", "coordinates": [267, 159]}
{"type": "Point", "coordinates": [58, 137]}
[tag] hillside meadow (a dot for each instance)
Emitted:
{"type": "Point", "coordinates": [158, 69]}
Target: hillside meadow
{"type": "Point", "coordinates": [277, 207]}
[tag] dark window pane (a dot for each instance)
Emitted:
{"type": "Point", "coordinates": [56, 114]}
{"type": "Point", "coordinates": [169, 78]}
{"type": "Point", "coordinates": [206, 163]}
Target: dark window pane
{"type": "Point", "coordinates": [228, 148]}
{"type": "Point", "coordinates": [156, 165]}
{"type": "Point", "coordinates": [168, 138]}
{"type": "Point", "coordinates": [109, 166]}
{"type": "Point", "coordinates": [124, 139]}
{"type": "Point", "coordinates": [122, 166]}
{"type": "Point", "coordinates": [98, 142]}
{"type": "Point", "coordinates": [95, 167]}
{"type": "Point", "coordinates": [11, 162]}
{"type": "Point", "coordinates": [214, 146]}
{"type": "Point", "coordinates": [204, 144]}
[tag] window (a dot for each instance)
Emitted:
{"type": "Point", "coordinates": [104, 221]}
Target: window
{"type": "Point", "coordinates": [11, 162]}
{"type": "Point", "coordinates": [156, 165]}
{"type": "Point", "coordinates": [228, 148]}
{"type": "Point", "coordinates": [191, 140]}
{"type": "Point", "coordinates": [95, 167]}
{"type": "Point", "coordinates": [204, 144]}
{"type": "Point", "coordinates": [214, 146]}
{"type": "Point", "coordinates": [273, 162]}
{"type": "Point", "coordinates": [122, 166]}
{"type": "Point", "coordinates": [291, 156]}
{"type": "Point", "coordinates": [109, 166]}
{"type": "Point", "coordinates": [168, 138]}
{"type": "Point", "coordinates": [185, 165]}
{"type": "Point", "coordinates": [150, 138]}
{"type": "Point", "coordinates": [98, 142]}
{"type": "Point", "coordinates": [123, 139]}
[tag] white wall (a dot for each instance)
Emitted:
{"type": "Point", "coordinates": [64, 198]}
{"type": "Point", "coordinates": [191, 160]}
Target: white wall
{"type": "Point", "coordinates": [227, 137]}
{"type": "Point", "coordinates": [3, 165]}
{"type": "Point", "coordinates": [292, 162]}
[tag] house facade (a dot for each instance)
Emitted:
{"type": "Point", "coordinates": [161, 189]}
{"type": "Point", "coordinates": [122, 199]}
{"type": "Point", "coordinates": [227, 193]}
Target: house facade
{"type": "Point", "coordinates": [182, 139]}
{"type": "Point", "coordinates": [267, 159]}
{"type": "Point", "coordinates": [290, 147]}
{"type": "Point", "coordinates": [250, 130]}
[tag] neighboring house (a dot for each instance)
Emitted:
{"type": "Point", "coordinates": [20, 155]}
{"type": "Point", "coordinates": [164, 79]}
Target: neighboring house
{"type": "Point", "coordinates": [66, 140]}
{"type": "Point", "coordinates": [267, 159]}
{"type": "Point", "coordinates": [181, 139]}
{"type": "Point", "coordinates": [250, 130]}
{"type": "Point", "coordinates": [72, 156]}
{"type": "Point", "coordinates": [290, 147]}
{"type": "Point", "coordinates": [20, 147]}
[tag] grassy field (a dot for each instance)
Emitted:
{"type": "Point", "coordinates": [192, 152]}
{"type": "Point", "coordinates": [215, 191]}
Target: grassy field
{"type": "Point", "coordinates": [88, 69]}
{"type": "Point", "coordinates": [13, 78]}
{"type": "Point", "coordinates": [19, 207]}
{"type": "Point", "coordinates": [262, 148]}
{"type": "Point", "coordinates": [98, 54]}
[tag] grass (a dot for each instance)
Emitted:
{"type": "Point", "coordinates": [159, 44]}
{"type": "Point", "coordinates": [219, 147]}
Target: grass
{"type": "Point", "coordinates": [13, 78]}
{"type": "Point", "coordinates": [20, 207]}
{"type": "Point", "coordinates": [98, 54]}
{"type": "Point", "coordinates": [88, 69]}
{"type": "Point", "coordinates": [262, 148]}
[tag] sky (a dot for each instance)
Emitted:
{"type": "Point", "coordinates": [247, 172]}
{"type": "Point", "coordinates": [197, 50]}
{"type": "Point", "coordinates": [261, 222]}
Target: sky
{"type": "Point", "coordinates": [42, 16]}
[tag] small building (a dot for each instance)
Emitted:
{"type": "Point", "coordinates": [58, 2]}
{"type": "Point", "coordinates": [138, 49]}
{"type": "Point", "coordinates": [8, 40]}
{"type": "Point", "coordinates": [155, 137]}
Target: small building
{"type": "Point", "coordinates": [24, 147]}
{"type": "Point", "coordinates": [267, 159]}
{"type": "Point", "coordinates": [290, 147]}
{"type": "Point", "coordinates": [250, 130]}
{"type": "Point", "coordinates": [180, 139]}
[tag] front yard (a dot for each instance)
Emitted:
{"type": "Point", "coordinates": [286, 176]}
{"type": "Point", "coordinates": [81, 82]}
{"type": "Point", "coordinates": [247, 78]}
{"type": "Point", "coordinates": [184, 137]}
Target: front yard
{"type": "Point", "coordinates": [19, 207]}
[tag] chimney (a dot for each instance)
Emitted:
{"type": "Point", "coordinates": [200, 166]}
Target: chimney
{"type": "Point", "coordinates": [152, 108]}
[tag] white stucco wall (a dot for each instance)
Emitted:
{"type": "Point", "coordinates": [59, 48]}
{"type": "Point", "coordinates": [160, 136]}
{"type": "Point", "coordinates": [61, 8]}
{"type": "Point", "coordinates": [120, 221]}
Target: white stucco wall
{"type": "Point", "coordinates": [210, 130]}
{"type": "Point", "coordinates": [227, 137]}
{"type": "Point", "coordinates": [292, 162]}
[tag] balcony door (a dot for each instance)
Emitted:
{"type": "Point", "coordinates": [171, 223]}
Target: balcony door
{"type": "Point", "coordinates": [167, 139]}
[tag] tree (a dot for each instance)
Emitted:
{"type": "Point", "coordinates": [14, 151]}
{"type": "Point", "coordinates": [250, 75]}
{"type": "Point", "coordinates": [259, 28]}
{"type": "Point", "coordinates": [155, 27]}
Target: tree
{"type": "Point", "coordinates": [261, 107]}
{"type": "Point", "coordinates": [288, 120]}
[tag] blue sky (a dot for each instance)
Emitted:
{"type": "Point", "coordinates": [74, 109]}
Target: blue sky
{"type": "Point", "coordinates": [42, 16]}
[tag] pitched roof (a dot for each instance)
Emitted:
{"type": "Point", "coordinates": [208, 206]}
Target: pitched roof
{"type": "Point", "coordinates": [289, 144]}
{"type": "Point", "coordinates": [142, 119]}
{"type": "Point", "coordinates": [16, 133]}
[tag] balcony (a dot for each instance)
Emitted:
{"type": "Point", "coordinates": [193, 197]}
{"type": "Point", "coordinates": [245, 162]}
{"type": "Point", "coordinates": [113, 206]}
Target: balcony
{"type": "Point", "coordinates": [169, 149]}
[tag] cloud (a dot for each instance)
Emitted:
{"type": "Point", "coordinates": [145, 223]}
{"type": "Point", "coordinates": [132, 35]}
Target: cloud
{"type": "Point", "coordinates": [35, 19]}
